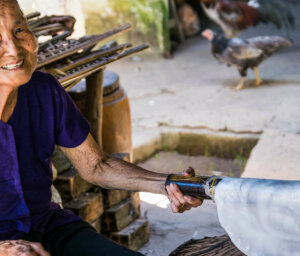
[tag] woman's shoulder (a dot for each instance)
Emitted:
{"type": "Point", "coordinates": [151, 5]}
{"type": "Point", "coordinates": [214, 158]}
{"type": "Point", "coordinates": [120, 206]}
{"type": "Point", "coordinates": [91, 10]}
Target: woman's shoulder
{"type": "Point", "coordinates": [44, 88]}
{"type": "Point", "coordinates": [40, 77]}
{"type": "Point", "coordinates": [43, 81]}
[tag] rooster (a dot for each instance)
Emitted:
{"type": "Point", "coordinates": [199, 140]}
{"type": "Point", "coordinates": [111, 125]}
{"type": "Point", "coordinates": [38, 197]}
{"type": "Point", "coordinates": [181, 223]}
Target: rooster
{"type": "Point", "coordinates": [244, 54]}
{"type": "Point", "coordinates": [234, 16]}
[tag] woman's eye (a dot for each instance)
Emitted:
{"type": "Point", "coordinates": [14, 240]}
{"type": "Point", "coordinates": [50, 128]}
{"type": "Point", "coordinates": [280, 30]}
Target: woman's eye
{"type": "Point", "coordinates": [19, 30]}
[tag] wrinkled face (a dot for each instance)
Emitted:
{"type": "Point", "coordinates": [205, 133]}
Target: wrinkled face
{"type": "Point", "coordinates": [18, 47]}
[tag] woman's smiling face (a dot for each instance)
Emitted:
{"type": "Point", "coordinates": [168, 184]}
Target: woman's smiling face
{"type": "Point", "coordinates": [18, 46]}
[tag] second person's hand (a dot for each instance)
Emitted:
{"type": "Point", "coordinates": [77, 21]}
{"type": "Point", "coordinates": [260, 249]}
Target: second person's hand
{"type": "Point", "coordinates": [180, 202]}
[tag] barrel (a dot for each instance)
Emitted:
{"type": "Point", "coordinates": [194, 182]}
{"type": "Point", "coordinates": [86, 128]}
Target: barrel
{"type": "Point", "coordinates": [116, 117]}
{"type": "Point", "coordinates": [78, 93]}
{"type": "Point", "coordinates": [116, 122]}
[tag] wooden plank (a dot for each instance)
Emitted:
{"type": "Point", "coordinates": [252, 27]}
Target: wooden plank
{"type": "Point", "coordinates": [134, 236]}
{"type": "Point", "coordinates": [91, 56]}
{"type": "Point", "coordinates": [97, 225]}
{"type": "Point", "coordinates": [113, 197]}
{"type": "Point", "coordinates": [90, 68]}
{"type": "Point", "coordinates": [92, 41]}
{"type": "Point", "coordinates": [89, 206]}
{"type": "Point", "coordinates": [60, 161]}
{"type": "Point", "coordinates": [121, 215]}
{"type": "Point", "coordinates": [32, 15]}
{"type": "Point", "coordinates": [70, 185]}
{"type": "Point", "coordinates": [56, 198]}
{"type": "Point", "coordinates": [93, 104]}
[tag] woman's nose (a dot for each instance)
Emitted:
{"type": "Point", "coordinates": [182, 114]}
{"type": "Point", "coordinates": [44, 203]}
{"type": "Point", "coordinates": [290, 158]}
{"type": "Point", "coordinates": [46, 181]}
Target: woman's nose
{"type": "Point", "coordinates": [11, 47]}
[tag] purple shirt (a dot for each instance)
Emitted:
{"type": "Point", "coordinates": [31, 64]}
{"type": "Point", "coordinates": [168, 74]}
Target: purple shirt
{"type": "Point", "coordinates": [44, 116]}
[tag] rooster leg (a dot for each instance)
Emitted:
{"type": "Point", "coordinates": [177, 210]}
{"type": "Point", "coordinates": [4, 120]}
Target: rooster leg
{"type": "Point", "coordinates": [258, 79]}
{"type": "Point", "coordinates": [241, 84]}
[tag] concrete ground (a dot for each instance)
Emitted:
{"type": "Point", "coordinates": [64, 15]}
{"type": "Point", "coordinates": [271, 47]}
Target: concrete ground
{"type": "Point", "coordinates": [193, 93]}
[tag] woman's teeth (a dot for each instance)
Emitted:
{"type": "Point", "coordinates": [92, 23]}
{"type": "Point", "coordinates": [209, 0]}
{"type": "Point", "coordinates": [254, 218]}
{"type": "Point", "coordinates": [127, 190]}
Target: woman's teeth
{"type": "Point", "coordinates": [12, 66]}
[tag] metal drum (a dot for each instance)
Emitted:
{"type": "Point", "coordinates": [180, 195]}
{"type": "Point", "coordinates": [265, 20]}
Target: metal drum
{"type": "Point", "coordinates": [116, 122]}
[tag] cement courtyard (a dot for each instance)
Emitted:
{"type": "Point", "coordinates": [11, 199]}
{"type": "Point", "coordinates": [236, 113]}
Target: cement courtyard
{"type": "Point", "coordinates": [193, 94]}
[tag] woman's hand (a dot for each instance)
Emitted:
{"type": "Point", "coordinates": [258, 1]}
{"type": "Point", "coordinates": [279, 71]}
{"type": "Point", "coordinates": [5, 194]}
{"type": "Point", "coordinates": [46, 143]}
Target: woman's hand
{"type": "Point", "coordinates": [179, 201]}
{"type": "Point", "coordinates": [21, 248]}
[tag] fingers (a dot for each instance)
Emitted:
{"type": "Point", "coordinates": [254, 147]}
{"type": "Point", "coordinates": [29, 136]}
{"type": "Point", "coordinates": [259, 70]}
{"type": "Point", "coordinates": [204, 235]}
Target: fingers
{"type": "Point", "coordinates": [180, 209]}
{"type": "Point", "coordinates": [175, 195]}
{"type": "Point", "coordinates": [189, 172]}
{"type": "Point", "coordinates": [37, 248]}
{"type": "Point", "coordinates": [22, 248]}
{"type": "Point", "coordinates": [40, 249]}
{"type": "Point", "coordinates": [193, 202]}
{"type": "Point", "coordinates": [174, 208]}
{"type": "Point", "coordinates": [180, 202]}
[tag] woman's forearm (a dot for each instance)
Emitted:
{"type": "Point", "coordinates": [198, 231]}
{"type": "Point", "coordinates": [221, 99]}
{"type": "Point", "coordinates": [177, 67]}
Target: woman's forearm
{"type": "Point", "coordinates": [98, 168]}
{"type": "Point", "coordinates": [114, 173]}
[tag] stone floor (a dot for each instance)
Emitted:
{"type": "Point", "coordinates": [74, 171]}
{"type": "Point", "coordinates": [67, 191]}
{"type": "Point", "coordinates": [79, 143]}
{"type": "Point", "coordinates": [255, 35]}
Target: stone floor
{"type": "Point", "coordinates": [194, 91]}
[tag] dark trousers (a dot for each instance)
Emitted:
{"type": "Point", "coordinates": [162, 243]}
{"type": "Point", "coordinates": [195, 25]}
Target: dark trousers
{"type": "Point", "coordinates": [78, 239]}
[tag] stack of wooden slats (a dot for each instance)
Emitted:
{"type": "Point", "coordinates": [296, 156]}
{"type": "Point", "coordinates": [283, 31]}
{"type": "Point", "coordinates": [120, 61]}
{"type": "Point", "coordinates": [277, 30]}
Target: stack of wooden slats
{"type": "Point", "coordinates": [114, 213]}
{"type": "Point", "coordinates": [70, 60]}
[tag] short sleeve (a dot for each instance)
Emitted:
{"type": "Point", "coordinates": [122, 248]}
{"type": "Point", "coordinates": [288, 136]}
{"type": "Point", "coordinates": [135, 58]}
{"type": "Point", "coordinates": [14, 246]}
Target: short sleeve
{"type": "Point", "coordinates": [71, 126]}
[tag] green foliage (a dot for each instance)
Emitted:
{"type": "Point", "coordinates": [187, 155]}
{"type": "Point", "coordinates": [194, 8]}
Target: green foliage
{"type": "Point", "coordinates": [150, 19]}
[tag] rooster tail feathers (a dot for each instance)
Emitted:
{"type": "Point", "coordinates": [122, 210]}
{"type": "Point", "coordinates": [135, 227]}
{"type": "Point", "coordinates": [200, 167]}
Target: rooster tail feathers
{"type": "Point", "coordinates": [236, 15]}
{"type": "Point", "coordinates": [270, 44]}
{"type": "Point", "coordinates": [291, 20]}
{"type": "Point", "coordinates": [274, 18]}
{"type": "Point", "coordinates": [278, 12]}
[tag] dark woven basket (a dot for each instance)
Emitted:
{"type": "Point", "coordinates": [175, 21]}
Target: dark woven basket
{"type": "Point", "coordinates": [208, 246]}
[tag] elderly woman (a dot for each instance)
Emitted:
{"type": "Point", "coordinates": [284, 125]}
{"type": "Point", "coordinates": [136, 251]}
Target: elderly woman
{"type": "Point", "coordinates": [35, 114]}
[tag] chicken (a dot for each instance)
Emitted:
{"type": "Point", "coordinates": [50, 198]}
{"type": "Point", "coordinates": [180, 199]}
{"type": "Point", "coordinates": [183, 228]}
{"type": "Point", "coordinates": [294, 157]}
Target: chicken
{"type": "Point", "coordinates": [244, 54]}
{"type": "Point", "coordinates": [234, 16]}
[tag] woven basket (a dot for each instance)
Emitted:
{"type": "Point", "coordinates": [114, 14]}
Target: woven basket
{"type": "Point", "coordinates": [208, 246]}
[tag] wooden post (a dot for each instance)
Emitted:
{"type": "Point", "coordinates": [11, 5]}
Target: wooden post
{"type": "Point", "coordinates": [93, 104]}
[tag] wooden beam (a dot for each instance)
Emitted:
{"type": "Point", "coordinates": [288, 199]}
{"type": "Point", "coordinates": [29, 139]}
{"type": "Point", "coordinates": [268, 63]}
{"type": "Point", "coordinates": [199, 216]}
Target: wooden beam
{"type": "Point", "coordinates": [93, 104]}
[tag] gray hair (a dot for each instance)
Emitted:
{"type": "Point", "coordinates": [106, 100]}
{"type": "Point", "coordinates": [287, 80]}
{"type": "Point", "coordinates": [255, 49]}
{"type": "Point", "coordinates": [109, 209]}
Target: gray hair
{"type": "Point", "coordinates": [9, 3]}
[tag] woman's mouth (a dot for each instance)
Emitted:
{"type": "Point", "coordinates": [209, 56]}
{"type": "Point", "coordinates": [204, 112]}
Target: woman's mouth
{"type": "Point", "coordinates": [13, 66]}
